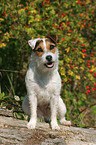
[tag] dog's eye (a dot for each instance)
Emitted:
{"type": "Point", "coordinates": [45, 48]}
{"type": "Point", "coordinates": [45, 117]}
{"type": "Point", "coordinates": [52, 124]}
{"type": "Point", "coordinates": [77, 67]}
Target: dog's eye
{"type": "Point", "coordinates": [39, 50]}
{"type": "Point", "coordinates": [52, 47]}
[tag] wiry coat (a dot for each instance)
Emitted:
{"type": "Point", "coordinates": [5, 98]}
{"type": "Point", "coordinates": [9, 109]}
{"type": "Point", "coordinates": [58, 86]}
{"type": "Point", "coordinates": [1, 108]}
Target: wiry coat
{"type": "Point", "coordinates": [43, 85]}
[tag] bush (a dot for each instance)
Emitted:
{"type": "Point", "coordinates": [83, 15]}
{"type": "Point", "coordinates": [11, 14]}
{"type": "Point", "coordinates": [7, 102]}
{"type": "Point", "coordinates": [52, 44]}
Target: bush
{"type": "Point", "coordinates": [74, 23]}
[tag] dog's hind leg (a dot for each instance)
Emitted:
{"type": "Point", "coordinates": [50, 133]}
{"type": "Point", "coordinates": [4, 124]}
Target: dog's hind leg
{"type": "Point", "coordinates": [25, 105]}
{"type": "Point", "coordinates": [62, 112]}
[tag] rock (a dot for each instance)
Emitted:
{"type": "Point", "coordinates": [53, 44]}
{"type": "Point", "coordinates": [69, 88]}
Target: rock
{"type": "Point", "coordinates": [14, 131]}
{"type": "Point", "coordinates": [55, 141]}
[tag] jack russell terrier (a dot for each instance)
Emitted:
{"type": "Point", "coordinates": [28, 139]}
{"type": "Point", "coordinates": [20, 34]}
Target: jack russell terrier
{"type": "Point", "coordinates": [43, 84]}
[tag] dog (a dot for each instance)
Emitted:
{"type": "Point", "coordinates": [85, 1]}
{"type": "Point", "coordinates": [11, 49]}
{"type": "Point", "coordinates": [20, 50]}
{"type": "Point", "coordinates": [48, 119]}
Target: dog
{"type": "Point", "coordinates": [43, 84]}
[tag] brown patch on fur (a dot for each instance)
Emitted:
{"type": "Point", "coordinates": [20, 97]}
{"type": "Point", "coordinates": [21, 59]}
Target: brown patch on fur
{"type": "Point", "coordinates": [48, 44]}
{"type": "Point", "coordinates": [53, 38]}
{"type": "Point", "coordinates": [39, 46]}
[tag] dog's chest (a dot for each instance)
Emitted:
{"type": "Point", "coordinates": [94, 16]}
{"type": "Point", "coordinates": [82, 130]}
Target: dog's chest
{"type": "Point", "coordinates": [43, 86]}
{"type": "Point", "coordinates": [45, 92]}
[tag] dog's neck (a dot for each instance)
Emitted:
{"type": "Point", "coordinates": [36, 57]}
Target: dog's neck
{"type": "Point", "coordinates": [42, 77]}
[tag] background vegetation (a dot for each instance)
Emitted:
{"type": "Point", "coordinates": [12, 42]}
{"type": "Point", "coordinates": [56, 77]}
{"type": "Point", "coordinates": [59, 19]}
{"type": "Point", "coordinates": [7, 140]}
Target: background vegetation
{"type": "Point", "coordinates": [74, 23]}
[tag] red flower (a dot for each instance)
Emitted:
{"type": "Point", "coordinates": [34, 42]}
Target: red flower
{"type": "Point", "coordinates": [41, 25]}
{"type": "Point", "coordinates": [67, 23]}
{"type": "Point", "coordinates": [89, 91]}
{"type": "Point", "coordinates": [84, 5]}
{"type": "Point", "coordinates": [32, 4]}
{"type": "Point", "coordinates": [84, 50]}
{"type": "Point", "coordinates": [0, 42]}
{"type": "Point", "coordinates": [84, 25]}
{"type": "Point", "coordinates": [58, 27]}
{"type": "Point", "coordinates": [70, 31]}
{"type": "Point", "coordinates": [81, 15]}
{"type": "Point", "coordinates": [83, 44]}
{"type": "Point", "coordinates": [4, 13]}
{"type": "Point", "coordinates": [63, 14]}
{"type": "Point", "coordinates": [84, 20]}
{"type": "Point", "coordinates": [63, 39]}
{"type": "Point", "coordinates": [89, 25]}
{"type": "Point", "coordinates": [94, 74]}
{"type": "Point", "coordinates": [93, 89]}
{"type": "Point", "coordinates": [87, 87]}
{"type": "Point", "coordinates": [28, 12]}
{"type": "Point", "coordinates": [47, 2]}
{"type": "Point", "coordinates": [85, 55]}
{"type": "Point", "coordinates": [92, 11]}
{"type": "Point", "coordinates": [91, 55]}
{"type": "Point", "coordinates": [94, 84]}
{"type": "Point", "coordinates": [46, 18]}
{"type": "Point", "coordinates": [74, 48]}
{"type": "Point", "coordinates": [63, 28]}
{"type": "Point", "coordinates": [90, 71]}
{"type": "Point", "coordinates": [71, 66]}
{"type": "Point", "coordinates": [69, 80]}
{"type": "Point", "coordinates": [42, 19]}
{"type": "Point", "coordinates": [12, 27]}
{"type": "Point", "coordinates": [26, 8]}
{"type": "Point", "coordinates": [79, 1]}
{"type": "Point", "coordinates": [43, 4]}
{"type": "Point", "coordinates": [92, 61]}
{"type": "Point", "coordinates": [88, 65]}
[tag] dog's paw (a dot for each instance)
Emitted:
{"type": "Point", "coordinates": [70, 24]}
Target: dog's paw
{"type": "Point", "coordinates": [55, 126]}
{"type": "Point", "coordinates": [65, 122]}
{"type": "Point", "coordinates": [31, 125]}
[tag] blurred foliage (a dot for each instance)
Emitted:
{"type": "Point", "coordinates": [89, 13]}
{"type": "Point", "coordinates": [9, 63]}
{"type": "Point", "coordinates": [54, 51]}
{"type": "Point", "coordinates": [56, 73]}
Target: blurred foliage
{"type": "Point", "coordinates": [74, 23]}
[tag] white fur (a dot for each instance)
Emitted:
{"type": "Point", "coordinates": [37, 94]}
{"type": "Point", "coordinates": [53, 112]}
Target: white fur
{"type": "Point", "coordinates": [33, 42]}
{"type": "Point", "coordinates": [43, 88]}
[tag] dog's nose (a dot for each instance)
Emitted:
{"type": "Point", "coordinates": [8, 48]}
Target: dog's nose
{"type": "Point", "coordinates": [49, 57]}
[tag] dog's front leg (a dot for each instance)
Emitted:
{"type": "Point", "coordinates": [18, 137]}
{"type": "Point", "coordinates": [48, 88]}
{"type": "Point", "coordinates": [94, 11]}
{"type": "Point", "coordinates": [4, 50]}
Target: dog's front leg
{"type": "Point", "coordinates": [33, 111]}
{"type": "Point", "coordinates": [54, 104]}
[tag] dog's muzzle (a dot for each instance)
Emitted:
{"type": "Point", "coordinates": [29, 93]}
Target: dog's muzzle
{"type": "Point", "coordinates": [49, 63]}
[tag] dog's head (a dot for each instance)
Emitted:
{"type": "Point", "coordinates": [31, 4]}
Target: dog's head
{"type": "Point", "coordinates": [45, 52]}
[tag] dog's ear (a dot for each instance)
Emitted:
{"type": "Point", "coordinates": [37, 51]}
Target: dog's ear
{"type": "Point", "coordinates": [32, 42]}
{"type": "Point", "coordinates": [53, 38]}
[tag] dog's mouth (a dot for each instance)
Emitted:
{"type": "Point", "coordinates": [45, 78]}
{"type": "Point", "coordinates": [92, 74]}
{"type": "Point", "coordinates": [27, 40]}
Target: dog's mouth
{"type": "Point", "coordinates": [49, 65]}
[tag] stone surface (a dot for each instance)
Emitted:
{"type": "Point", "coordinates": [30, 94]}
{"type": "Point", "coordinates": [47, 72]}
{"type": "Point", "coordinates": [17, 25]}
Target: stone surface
{"type": "Point", "coordinates": [14, 131]}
